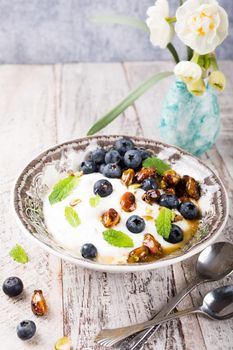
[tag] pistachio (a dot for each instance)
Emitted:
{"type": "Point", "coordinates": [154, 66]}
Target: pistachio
{"type": "Point", "coordinates": [74, 202]}
{"type": "Point", "coordinates": [135, 186]}
{"type": "Point", "coordinates": [63, 344]}
{"type": "Point", "coordinates": [153, 245]}
{"type": "Point", "coordinates": [110, 218]}
{"type": "Point", "coordinates": [127, 177]}
{"type": "Point", "coordinates": [144, 173]}
{"type": "Point", "coordinates": [151, 196]}
{"type": "Point", "coordinates": [128, 202]}
{"type": "Point", "coordinates": [171, 178]}
{"type": "Point", "coordinates": [38, 303]}
{"type": "Point", "coordinates": [138, 255]}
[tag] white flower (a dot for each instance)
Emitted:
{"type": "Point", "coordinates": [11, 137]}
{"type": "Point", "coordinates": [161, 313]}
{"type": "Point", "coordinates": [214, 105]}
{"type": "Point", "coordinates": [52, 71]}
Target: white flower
{"type": "Point", "coordinates": [189, 72]}
{"type": "Point", "coordinates": [161, 32]}
{"type": "Point", "coordinates": [202, 25]}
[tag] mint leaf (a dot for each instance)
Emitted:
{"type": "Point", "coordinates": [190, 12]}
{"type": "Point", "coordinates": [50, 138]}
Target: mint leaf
{"type": "Point", "coordinates": [18, 254]}
{"type": "Point", "coordinates": [62, 189]}
{"type": "Point", "coordinates": [163, 222]}
{"type": "Point", "coordinates": [118, 238]}
{"type": "Point", "coordinates": [72, 217]}
{"type": "Point", "coordinates": [156, 163]}
{"type": "Point", "coordinates": [94, 201]}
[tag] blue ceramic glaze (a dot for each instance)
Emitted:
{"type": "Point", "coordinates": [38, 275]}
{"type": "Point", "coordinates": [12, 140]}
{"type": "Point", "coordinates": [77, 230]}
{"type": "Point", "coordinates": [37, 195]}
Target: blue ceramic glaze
{"type": "Point", "coordinates": [190, 122]}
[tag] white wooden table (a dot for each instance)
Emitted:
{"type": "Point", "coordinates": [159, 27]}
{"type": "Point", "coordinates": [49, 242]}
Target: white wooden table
{"type": "Point", "coordinates": [44, 105]}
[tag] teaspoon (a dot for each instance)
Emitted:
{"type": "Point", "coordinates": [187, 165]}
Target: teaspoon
{"type": "Point", "coordinates": [217, 305]}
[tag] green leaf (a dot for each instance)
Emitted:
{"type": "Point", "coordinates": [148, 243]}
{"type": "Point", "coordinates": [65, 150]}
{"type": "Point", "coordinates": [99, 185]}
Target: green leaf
{"type": "Point", "coordinates": [156, 163]}
{"type": "Point", "coordinates": [115, 19]}
{"type": "Point", "coordinates": [94, 201]}
{"type": "Point", "coordinates": [118, 238]}
{"type": "Point", "coordinates": [18, 254]}
{"type": "Point", "coordinates": [72, 217]}
{"type": "Point", "coordinates": [163, 222]}
{"type": "Point", "coordinates": [126, 102]}
{"type": "Point", "coordinates": [62, 189]}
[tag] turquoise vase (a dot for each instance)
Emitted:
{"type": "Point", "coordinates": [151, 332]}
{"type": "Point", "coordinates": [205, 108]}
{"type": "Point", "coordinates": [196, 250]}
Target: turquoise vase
{"type": "Point", "coordinates": [190, 122]}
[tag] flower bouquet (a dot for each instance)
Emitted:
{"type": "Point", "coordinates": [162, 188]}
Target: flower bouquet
{"type": "Point", "coordinates": [190, 115]}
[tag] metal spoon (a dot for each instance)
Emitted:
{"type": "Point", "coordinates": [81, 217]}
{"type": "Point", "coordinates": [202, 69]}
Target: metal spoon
{"type": "Point", "coordinates": [217, 305]}
{"type": "Point", "coordinates": [214, 263]}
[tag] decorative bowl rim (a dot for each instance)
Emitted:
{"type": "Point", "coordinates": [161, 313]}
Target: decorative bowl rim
{"type": "Point", "coordinates": [118, 268]}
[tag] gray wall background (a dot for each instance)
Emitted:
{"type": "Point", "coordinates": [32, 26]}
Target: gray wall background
{"type": "Point", "coordinates": [50, 31]}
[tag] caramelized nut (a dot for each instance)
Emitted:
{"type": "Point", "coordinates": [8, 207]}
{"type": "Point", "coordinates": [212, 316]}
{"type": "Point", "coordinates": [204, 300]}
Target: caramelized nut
{"type": "Point", "coordinates": [170, 190]}
{"type": "Point", "coordinates": [38, 303]}
{"type": "Point", "coordinates": [144, 173]}
{"type": "Point", "coordinates": [163, 185]}
{"type": "Point", "coordinates": [110, 218]}
{"type": "Point", "coordinates": [127, 177]}
{"type": "Point", "coordinates": [138, 255]}
{"type": "Point", "coordinates": [74, 202]}
{"type": "Point", "coordinates": [151, 196]}
{"type": "Point", "coordinates": [177, 218]}
{"type": "Point", "coordinates": [192, 187]}
{"type": "Point", "coordinates": [184, 199]}
{"type": "Point", "coordinates": [153, 245]}
{"type": "Point", "coordinates": [128, 202]}
{"type": "Point", "coordinates": [171, 178]}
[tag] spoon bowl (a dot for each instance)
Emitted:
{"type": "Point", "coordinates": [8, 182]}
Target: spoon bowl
{"type": "Point", "coordinates": [218, 304]}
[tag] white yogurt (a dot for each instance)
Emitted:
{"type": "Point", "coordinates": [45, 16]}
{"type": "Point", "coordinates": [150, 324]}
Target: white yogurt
{"type": "Point", "coordinates": [91, 229]}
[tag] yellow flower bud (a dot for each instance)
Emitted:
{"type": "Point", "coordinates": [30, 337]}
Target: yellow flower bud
{"type": "Point", "coordinates": [197, 88]}
{"type": "Point", "coordinates": [217, 80]}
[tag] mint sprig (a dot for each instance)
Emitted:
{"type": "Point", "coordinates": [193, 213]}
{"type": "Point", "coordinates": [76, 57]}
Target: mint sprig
{"type": "Point", "coordinates": [72, 217]}
{"type": "Point", "coordinates": [118, 239]}
{"type": "Point", "coordinates": [163, 222]}
{"type": "Point", "coordinates": [94, 201]}
{"type": "Point", "coordinates": [62, 189]}
{"type": "Point", "coordinates": [18, 254]}
{"type": "Point", "coordinates": [156, 163]}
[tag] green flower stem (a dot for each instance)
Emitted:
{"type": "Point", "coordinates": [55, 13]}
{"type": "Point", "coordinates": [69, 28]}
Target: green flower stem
{"type": "Point", "coordinates": [174, 53]}
{"type": "Point", "coordinates": [126, 102]}
{"type": "Point", "coordinates": [195, 57]}
{"type": "Point", "coordinates": [214, 63]}
{"type": "Point", "coordinates": [127, 20]}
{"type": "Point", "coordinates": [171, 19]}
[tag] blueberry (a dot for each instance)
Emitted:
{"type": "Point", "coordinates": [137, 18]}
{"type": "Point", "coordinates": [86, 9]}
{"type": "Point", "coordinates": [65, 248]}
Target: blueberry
{"type": "Point", "coordinates": [112, 156]}
{"type": "Point", "coordinates": [26, 329]}
{"type": "Point", "coordinates": [123, 145]}
{"type": "Point", "coordinates": [103, 188]}
{"type": "Point", "coordinates": [88, 167]}
{"type": "Point", "coordinates": [133, 159]}
{"type": "Point", "coordinates": [101, 168]}
{"type": "Point", "coordinates": [112, 170]}
{"type": "Point", "coordinates": [169, 201]}
{"type": "Point", "coordinates": [149, 184]}
{"type": "Point", "coordinates": [176, 235]}
{"type": "Point", "coordinates": [89, 251]}
{"type": "Point", "coordinates": [189, 210]}
{"type": "Point", "coordinates": [12, 286]}
{"type": "Point", "coordinates": [145, 153]}
{"type": "Point", "coordinates": [97, 156]}
{"type": "Point", "coordinates": [135, 224]}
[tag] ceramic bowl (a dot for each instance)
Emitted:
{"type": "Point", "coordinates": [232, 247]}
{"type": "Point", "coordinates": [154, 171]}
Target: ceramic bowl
{"type": "Point", "coordinates": [32, 183]}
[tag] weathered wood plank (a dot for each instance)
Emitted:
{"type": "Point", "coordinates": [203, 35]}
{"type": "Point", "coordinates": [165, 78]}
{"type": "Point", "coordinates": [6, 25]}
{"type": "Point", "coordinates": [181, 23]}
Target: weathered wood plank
{"type": "Point", "coordinates": [27, 126]}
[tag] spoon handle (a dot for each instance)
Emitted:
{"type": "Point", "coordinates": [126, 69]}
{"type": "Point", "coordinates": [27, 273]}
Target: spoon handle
{"type": "Point", "coordinates": [110, 337]}
{"type": "Point", "coordinates": [138, 341]}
